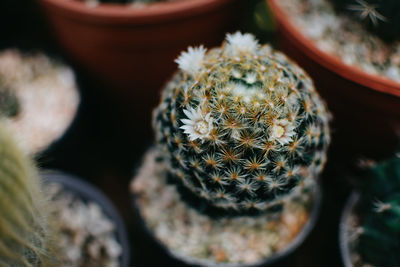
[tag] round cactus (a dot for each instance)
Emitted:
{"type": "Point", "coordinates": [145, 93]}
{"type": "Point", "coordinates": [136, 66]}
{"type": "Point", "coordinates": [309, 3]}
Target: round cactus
{"type": "Point", "coordinates": [241, 126]}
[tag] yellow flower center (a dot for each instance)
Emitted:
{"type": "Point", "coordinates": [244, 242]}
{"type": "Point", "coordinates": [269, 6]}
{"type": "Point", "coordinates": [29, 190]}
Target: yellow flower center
{"type": "Point", "coordinates": [201, 127]}
{"type": "Point", "coordinates": [279, 131]}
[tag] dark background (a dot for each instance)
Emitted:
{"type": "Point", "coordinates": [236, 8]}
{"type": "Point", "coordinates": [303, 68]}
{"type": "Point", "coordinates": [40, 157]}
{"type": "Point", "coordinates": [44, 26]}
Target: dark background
{"type": "Point", "coordinates": [104, 146]}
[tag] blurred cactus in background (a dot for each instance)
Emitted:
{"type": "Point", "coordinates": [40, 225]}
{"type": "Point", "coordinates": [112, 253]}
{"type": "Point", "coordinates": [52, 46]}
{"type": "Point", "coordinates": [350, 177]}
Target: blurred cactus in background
{"type": "Point", "coordinates": [24, 219]}
{"type": "Point", "coordinates": [242, 126]}
{"type": "Point", "coordinates": [380, 16]}
{"type": "Point", "coordinates": [9, 105]}
{"type": "Point", "coordinates": [258, 20]}
{"type": "Point", "coordinates": [379, 241]}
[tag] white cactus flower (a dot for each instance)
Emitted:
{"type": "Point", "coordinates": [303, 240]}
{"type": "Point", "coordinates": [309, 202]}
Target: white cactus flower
{"type": "Point", "coordinates": [282, 131]}
{"type": "Point", "coordinates": [197, 125]}
{"type": "Point", "coordinates": [241, 43]}
{"type": "Point", "coordinates": [191, 61]}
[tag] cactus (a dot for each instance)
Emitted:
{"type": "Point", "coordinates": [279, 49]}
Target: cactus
{"type": "Point", "coordinates": [380, 214]}
{"type": "Point", "coordinates": [241, 127]}
{"type": "Point", "coordinates": [24, 228]}
{"type": "Point", "coordinates": [380, 16]}
{"type": "Point", "coordinates": [9, 105]}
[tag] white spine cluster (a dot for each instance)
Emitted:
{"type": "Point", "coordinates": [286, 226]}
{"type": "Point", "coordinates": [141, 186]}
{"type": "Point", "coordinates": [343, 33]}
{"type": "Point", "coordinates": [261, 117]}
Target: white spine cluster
{"type": "Point", "coordinates": [239, 43]}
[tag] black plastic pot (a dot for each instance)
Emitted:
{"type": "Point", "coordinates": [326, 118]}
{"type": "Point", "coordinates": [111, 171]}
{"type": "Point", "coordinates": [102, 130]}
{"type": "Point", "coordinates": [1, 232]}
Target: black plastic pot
{"type": "Point", "coordinates": [172, 259]}
{"type": "Point", "coordinates": [349, 209]}
{"type": "Point", "coordinates": [88, 192]}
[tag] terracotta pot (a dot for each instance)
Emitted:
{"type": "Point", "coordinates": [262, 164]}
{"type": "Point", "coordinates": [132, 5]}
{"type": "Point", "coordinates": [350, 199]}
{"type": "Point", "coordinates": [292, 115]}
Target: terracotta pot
{"type": "Point", "coordinates": [132, 50]}
{"type": "Point", "coordinates": [366, 107]}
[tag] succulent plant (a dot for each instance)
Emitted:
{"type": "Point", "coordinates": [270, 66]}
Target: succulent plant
{"type": "Point", "coordinates": [24, 228]}
{"type": "Point", "coordinates": [380, 16]}
{"type": "Point", "coordinates": [380, 214]}
{"type": "Point", "coordinates": [241, 126]}
{"type": "Point", "coordinates": [9, 105]}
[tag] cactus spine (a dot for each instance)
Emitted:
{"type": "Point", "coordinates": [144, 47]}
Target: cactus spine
{"type": "Point", "coordinates": [241, 126]}
{"type": "Point", "coordinates": [24, 229]}
{"type": "Point", "coordinates": [380, 16]}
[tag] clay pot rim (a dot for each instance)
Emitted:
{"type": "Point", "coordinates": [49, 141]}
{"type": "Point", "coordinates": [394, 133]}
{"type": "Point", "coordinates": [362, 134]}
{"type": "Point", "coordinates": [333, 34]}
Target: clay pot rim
{"type": "Point", "coordinates": [351, 202]}
{"type": "Point", "coordinates": [334, 64]}
{"type": "Point", "coordinates": [109, 13]}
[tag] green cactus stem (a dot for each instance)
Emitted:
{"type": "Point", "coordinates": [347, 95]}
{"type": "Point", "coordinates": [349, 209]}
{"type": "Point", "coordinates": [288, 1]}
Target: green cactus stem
{"type": "Point", "coordinates": [241, 126]}
{"type": "Point", "coordinates": [24, 228]}
{"type": "Point", "coordinates": [380, 214]}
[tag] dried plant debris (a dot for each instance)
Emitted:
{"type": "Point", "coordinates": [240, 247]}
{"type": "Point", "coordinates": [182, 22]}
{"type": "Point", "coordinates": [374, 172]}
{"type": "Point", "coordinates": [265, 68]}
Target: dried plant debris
{"type": "Point", "coordinates": [190, 234]}
{"type": "Point", "coordinates": [38, 97]}
{"type": "Point", "coordinates": [344, 37]}
{"type": "Point", "coordinates": [87, 236]}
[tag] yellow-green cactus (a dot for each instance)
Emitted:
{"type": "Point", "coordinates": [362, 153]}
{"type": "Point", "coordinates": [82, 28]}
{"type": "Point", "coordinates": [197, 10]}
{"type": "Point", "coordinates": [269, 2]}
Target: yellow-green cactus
{"type": "Point", "coordinates": [25, 233]}
{"type": "Point", "coordinates": [241, 126]}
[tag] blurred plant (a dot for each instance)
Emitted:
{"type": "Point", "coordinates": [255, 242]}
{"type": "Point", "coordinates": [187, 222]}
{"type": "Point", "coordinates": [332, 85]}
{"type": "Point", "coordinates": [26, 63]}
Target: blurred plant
{"type": "Point", "coordinates": [258, 20]}
{"type": "Point", "coordinates": [26, 235]}
{"type": "Point", "coordinates": [379, 236]}
{"type": "Point", "coordinates": [9, 105]}
{"type": "Point", "coordinates": [379, 16]}
{"type": "Point", "coordinates": [241, 126]}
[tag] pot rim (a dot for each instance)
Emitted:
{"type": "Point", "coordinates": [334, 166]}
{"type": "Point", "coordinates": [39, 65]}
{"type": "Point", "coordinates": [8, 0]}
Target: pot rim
{"type": "Point", "coordinates": [109, 13]}
{"type": "Point", "coordinates": [343, 227]}
{"type": "Point", "coordinates": [87, 192]}
{"type": "Point", "coordinates": [332, 63]}
{"type": "Point", "coordinates": [292, 246]}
